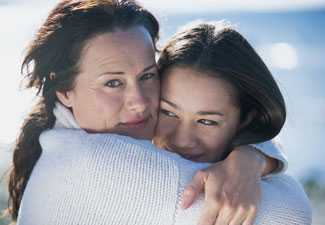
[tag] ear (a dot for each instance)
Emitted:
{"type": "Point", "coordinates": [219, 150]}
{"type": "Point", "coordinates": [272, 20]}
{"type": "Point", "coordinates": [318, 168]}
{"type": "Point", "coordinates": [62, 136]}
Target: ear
{"type": "Point", "coordinates": [249, 117]}
{"type": "Point", "coordinates": [65, 98]}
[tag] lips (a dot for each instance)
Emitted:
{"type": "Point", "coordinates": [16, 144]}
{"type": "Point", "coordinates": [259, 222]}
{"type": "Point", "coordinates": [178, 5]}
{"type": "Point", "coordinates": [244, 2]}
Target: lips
{"type": "Point", "coordinates": [192, 157]}
{"type": "Point", "coordinates": [136, 123]}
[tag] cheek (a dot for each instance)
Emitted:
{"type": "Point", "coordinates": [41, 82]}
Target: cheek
{"type": "Point", "coordinates": [215, 143]}
{"type": "Point", "coordinates": [152, 92]}
{"type": "Point", "coordinates": [165, 126]}
{"type": "Point", "coordinates": [164, 129]}
{"type": "Point", "coordinates": [215, 140]}
{"type": "Point", "coordinates": [108, 104]}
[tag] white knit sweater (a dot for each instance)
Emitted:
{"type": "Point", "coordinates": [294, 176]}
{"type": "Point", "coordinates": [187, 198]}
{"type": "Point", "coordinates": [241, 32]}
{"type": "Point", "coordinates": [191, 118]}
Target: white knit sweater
{"type": "Point", "coordinates": [107, 179]}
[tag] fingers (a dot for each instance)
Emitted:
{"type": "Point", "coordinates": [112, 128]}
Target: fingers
{"type": "Point", "coordinates": [250, 219]}
{"type": "Point", "coordinates": [213, 201]}
{"type": "Point", "coordinates": [190, 194]}
{"type": "Point", "coordinates": [230, 199]}
{"type": "Point", "coordinates": [193, 189]}
{"type": "Point", "coordinates": [236, 216]}
{"type": "Point", "coordinates": [209, 213]}
{"type": "Point", "coordinates": [239, 216]}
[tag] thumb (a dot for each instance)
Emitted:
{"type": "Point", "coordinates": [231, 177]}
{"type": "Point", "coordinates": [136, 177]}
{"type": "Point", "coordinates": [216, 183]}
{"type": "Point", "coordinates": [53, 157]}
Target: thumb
{"type": "Point", "coordinates": [193, 189]}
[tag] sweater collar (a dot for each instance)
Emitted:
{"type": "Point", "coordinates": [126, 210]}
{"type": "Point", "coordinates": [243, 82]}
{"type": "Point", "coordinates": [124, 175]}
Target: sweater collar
{"type": "Point", "coordinates": [64, 117]}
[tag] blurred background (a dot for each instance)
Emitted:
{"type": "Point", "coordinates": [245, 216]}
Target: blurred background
{"type": "Point", "coordinates": [288, 34]}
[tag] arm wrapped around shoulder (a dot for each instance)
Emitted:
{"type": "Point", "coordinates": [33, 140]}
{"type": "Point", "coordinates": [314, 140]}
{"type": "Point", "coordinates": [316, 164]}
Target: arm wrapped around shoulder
{"type": "Point", "coordinates": [283, 202]}
{"type": "Point", "coordinates": [105, 179]}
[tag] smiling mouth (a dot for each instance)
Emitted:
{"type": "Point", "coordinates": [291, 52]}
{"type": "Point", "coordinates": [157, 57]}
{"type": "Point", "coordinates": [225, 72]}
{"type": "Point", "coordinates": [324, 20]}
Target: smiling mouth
{"type": "Point", "coordinates": [136, 123]}
{"type": "Point", "coordinates": [192, 157]}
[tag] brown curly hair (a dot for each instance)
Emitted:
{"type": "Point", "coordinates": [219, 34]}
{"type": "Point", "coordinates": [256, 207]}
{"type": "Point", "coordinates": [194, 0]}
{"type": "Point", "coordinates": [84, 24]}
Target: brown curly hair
{"type": "Point", "coordinates": [56, 50]}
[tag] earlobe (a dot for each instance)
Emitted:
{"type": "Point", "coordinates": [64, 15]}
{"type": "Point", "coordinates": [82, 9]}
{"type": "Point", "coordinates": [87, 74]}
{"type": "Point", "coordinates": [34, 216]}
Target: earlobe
{"type": "Point", "coordinates": [64, 98]}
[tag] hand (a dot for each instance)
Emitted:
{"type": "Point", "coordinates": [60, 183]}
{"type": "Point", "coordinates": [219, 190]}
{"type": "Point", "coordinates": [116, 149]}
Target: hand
{"type": "Point", "coordinates": [232, 189]}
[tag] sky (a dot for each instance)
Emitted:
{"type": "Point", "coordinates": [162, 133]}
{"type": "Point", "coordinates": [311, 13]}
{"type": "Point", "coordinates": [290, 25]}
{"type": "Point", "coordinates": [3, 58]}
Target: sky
{"type": "Point", "coordinates": [20, 19]}
{"type": "Point", "coordinates": [238, 5]}
{"type": "Point", "coordinates": [172, 6]}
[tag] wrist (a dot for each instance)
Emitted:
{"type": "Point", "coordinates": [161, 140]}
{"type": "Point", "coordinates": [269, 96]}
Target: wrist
{"type": "Point", "coordinates": [256, 158]}
{"type": "Point", "coordinates": [261, 159]}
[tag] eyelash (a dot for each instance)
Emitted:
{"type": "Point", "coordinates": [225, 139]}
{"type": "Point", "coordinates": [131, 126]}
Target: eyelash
{"type": "Point", "coordinates": [168, 113]}
{"type": "Point", "coordinates": [146, 76]}
{"type": "Point", "coordinates": [208, 122]}
{"type": "Point", "coordinates": [201, 121]}
{"type": "Point", "coordinates": [110, 83]}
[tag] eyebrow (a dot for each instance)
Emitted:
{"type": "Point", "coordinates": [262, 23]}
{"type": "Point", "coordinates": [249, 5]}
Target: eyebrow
{"type": "Point", "coordinates": [122, 73]}
{"type": "Point", "coordinates": [205, 113]}
{"type": "Point", "coordinates": [170, 103]}
{"type": "Point", "coordinates": [202, 113]}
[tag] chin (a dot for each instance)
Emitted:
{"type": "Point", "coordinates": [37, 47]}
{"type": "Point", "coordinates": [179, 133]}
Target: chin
{"type": "Point", "coordinates": [141, 136]}
{"type": "Point", "coordinates": [146, 134]}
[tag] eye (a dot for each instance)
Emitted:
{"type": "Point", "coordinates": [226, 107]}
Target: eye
{"type": "Point", "coordinates": [113, 83]}
{"type": "Point", "coordinates": [168, 113]}
{"type": "Point", "coordinates": [147, 76]}
{"type": "Point", "coordinates": [208, 122]}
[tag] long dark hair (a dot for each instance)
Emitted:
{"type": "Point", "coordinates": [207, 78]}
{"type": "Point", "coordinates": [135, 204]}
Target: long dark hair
{"type": "Point", "coordinates": [220, 49]}
{"type": "Point", "coordinates": [51, 64]}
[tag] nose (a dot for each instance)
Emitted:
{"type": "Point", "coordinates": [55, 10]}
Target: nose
{"type": "Point", "coordinates": [135, 100]}
{"type": "Point", "coordinates": [183, 139]}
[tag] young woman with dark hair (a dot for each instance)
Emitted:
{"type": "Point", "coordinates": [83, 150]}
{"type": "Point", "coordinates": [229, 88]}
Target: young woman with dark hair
{"type": "Point", "coordinates": [216, 94]}
{"type": "Point", "coordinates": [93, 64]}
{"type": "Point", "coordinates": [219, 54]}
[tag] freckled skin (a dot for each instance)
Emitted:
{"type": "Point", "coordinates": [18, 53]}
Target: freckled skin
{"type": "Point", "coordinates": [183, 128]}
{"type": "Point", "coordinates": [118, 84]}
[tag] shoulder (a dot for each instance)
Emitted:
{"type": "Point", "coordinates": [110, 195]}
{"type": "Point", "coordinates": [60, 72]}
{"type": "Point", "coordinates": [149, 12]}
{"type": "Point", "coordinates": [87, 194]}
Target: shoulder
{"type": "Point", "coordinates": [284, 201]}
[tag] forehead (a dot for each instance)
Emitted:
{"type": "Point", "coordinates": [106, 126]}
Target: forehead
{"type": "Point", "coordinates": [194, 89]}
{"type": "Point", "coordinates": [133, 46]}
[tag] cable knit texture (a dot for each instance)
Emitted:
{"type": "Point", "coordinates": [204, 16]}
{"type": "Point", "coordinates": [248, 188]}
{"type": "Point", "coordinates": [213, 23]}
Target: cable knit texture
{"type": "Point", "coordinates": [107, 179]}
